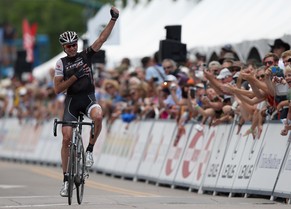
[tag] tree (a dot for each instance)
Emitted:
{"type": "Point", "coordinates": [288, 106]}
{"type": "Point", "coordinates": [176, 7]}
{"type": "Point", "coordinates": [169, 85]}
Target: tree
{"type": "Point", "coordinates": [53, 17]}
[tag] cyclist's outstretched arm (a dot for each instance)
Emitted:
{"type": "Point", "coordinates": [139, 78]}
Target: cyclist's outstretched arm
{"type": "Point", "coordinates": [107, 30]}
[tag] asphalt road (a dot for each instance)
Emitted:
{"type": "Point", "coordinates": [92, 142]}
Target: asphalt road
{"type": "Point", "coordinates": [37, 187]}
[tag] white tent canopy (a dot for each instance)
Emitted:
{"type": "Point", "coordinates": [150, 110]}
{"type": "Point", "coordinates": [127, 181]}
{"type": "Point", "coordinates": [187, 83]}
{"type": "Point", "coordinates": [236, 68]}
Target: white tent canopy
{"type": "Point", "coordinates": [207, 25]}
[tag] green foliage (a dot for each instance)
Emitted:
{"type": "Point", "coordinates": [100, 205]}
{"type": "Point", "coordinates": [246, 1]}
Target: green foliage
{"type": "Point", "coordinates": [52, 17]}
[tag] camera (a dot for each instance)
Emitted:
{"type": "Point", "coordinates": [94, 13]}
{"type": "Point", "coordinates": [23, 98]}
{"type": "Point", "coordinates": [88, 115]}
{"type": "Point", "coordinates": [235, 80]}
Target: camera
{"type": "Point", "coordinates": [155, 79]}
{"type": "Point", "coordinates": [192, 92]}
{"type": "Point", "coordinates": [277, 71]}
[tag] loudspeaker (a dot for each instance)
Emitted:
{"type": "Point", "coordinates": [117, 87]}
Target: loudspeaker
{"type": "Point", "coordinates": [99, 57]}
{"type": "Point", "coordinates": [173, 32]}
{"type": "Point", "coordinates": [21, 65]}
{"type": "Point", "coordinates": [173, 50]}
{"type": "Point", "coordinates": [85, 43]}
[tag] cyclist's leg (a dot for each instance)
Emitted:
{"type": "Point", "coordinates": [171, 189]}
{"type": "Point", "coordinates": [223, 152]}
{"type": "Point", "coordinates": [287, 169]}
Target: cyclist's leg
{"type": "Point", "coordinates": [70, 113]}
{"type": "Point", "coordinates": [96, 115]}
{"type": "Point", "coordinates": [67, 135]}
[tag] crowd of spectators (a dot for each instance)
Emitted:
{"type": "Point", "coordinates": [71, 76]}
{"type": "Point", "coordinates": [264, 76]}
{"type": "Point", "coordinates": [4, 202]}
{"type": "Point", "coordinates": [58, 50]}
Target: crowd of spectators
{"type": "Point", "coordinates": [209, 93]}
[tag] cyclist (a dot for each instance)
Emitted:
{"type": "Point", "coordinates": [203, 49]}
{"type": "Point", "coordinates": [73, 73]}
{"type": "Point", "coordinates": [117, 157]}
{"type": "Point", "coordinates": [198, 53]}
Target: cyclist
{"type": "Point", "coordinates": [74, 77]}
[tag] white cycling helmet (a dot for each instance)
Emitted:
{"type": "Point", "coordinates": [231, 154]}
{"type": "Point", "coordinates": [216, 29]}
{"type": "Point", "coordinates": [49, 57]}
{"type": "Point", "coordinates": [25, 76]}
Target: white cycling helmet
{"type": "Point", "coordinates": [68, 37]}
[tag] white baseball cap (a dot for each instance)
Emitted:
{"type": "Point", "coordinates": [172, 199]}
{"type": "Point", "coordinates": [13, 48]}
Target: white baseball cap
{"type": "Point", "coordinates": [224, 73]}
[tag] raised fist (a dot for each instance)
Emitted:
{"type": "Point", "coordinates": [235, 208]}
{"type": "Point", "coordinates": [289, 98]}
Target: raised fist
{"type": "Point", "coordinates": [114, 13]}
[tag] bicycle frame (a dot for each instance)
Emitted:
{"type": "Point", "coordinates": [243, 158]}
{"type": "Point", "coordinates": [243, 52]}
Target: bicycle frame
{"type": "Point", "coordinates": [76, 158]}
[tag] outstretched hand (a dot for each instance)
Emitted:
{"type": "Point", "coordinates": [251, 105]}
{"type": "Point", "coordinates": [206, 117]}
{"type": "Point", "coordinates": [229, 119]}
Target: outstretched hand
{"type": "Point", "coordinates": [83, 71]}
{"type": "Point", "coordinates": [114, 13]}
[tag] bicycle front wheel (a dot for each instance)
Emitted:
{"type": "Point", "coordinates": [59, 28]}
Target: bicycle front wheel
{"type": "Point", "coordinates": [71, 173]}
{"type": "Point", "coordinates": [80, 177]}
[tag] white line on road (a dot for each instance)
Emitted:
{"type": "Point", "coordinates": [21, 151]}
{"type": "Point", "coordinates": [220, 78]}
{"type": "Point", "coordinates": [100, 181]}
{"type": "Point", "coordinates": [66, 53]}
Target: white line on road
{"type": "Point", "coordinates": [32, 206]}
{"type": "Point", "coordinates": [2, 186]}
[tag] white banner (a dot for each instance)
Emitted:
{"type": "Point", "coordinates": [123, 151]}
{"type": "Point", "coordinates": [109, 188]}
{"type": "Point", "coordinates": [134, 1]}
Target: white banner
{"type": "Point", "coordinates": [126, 141]}
{"type": "Point", "coordinates": [248, 162]}
{"type": "Point", "coordinates": [140, 144]}
{"type": "Point", "coordinates": [270, 160]}
{"type": "Point", "coordinates": [155, 140]}
{"type": "Point", "coordinates": [174, 156]}
{"type": "Point", "coordinates": [196, 157]}
{"type": "Point", "coordinates": [216, 158]}
{"type": "Point", "coordinates": [282, 188]}
{"type": "Point", "coordinates": [232, 159]}
{"type": "Point", "coordinates": [109, 148]}
{"type": "Point", "coordinates": [161, 152]}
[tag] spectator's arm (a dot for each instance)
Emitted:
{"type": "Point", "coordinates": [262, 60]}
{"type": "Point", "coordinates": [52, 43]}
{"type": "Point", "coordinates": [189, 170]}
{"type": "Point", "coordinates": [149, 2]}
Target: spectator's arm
{"type": "Point", "coordinates": [258, 87]}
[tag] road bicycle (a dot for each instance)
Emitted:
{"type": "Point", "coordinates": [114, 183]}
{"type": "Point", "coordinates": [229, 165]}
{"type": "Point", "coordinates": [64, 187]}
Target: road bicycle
{"type": "Point", "coordinates": [76, 171]}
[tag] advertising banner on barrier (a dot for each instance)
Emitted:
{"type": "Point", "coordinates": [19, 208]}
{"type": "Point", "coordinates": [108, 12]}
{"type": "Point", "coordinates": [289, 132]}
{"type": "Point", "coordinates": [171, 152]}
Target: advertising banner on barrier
{"type": "Point", "coordinates": [108, 155]}
{"type": "Point", "coordinates": [157, 137]}
{"type": "Point", "coordinates": [216, 158]}
{"type": "Point", "coordinates": [269, 162]}
{"type": "Point", "coordinates": [248, 161]}
{"type": "Point", "coordinates": [9, 138]}
{"type": "Point", "coordinates": [49, 146]}
{"type": "Point", "coordinates": [99, 143]}
{"type": "Point", "coordinates": [195, 157]}
{"type": "Point", "coordinates": [140, 145]}
{"type": "Point", "coordinates": [161, 153]}
{"type": "Point", "coordinates": [174, 156]}
{"type": "Point", "coordinates": [127, 140]}
{"type": "Point", "coordinates": [283, 188]}
{"type": "Point", "coordinates": [232, 159]}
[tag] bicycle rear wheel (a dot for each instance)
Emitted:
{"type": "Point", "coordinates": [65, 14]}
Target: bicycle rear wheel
{"type": "Point", "coordinates": [80, 177]}
{"type": "Point", "coordinates": [71, 173]}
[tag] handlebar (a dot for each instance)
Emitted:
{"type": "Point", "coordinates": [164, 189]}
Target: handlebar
{"type": "Point", "coordinates": [74, 124]}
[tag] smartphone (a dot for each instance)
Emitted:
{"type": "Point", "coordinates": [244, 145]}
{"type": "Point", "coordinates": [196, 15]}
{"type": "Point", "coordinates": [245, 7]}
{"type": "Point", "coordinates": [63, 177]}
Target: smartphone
{"type": "Point", "coordinates": [192, 92]}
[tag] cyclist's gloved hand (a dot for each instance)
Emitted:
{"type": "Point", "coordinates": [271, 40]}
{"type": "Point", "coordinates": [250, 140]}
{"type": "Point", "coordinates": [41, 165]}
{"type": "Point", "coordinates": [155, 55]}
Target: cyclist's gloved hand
{"type": "Point", "coordinates": [83, 71]}
{"type": "Point", "coordinates": [114, 14]}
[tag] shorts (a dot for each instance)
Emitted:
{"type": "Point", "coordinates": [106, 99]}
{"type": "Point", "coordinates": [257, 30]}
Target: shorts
{"type": "Point", "coordinates": [77, 104]}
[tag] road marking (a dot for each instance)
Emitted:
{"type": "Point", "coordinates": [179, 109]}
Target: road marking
{"type": "Point", "coordinates": [29, 197]}
{"type": "Point", "coordinates": [119, 190]}
{"type": "Point", "coordinates": [2, 186]}
{"type": "Point", "coordinates": [93, 184]}
{"type": "Point", "coordinates": [32, 206]}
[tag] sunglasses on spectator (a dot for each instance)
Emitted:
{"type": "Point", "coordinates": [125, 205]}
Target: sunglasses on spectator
{"type": "Point", "coordinates": [268, 63]}
{"type": "Point", "coordinates": [260, 76]}
{"type": "Point", "coordinates": [167, 67]}
{"type": "Point", "coordinates": [70, 46]}
{"type": "Point", "coordinates": [234, 68]}
{"type": "Point", "coordinates": [287, 61]}
{"type": "Point", "coordinates": [108, 87]}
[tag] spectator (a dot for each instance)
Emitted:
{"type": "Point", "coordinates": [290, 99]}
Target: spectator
{"type": "Point", "coordinates": [170, 95]}
{"type": "Point", "coordinates": [278, 48]}
{"type": "Point", "coordinates": [286, 121]}
{"type": "Point", "coordinates": [286, 57]}
{"type": "Point", "coordinates": [111, 101]}
{"type": "Point", "coordinates": [214, 67]}
{"type": "Point", "coordinates": [154, 73]}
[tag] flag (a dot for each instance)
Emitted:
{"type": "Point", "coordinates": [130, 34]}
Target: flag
{"type": "Point", "coordinates": [29, 33]}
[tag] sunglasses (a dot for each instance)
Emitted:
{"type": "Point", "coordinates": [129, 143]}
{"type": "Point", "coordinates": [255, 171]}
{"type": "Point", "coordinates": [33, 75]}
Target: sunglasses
{"type": "Point", "coordinates": [260, 76]}
{"type": "Point", "coordinates": [168, 67]}
{"type": "Point", "coordinates": [70, 46]}
{"type": "Point", "coordinates": [108, 87]}
{"type": "Point", "coordinates": [268, 63]}
{"type": "Point", "coordinates": [234, 68]}
{"type": "Point", "coordinates": [287, 61]}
